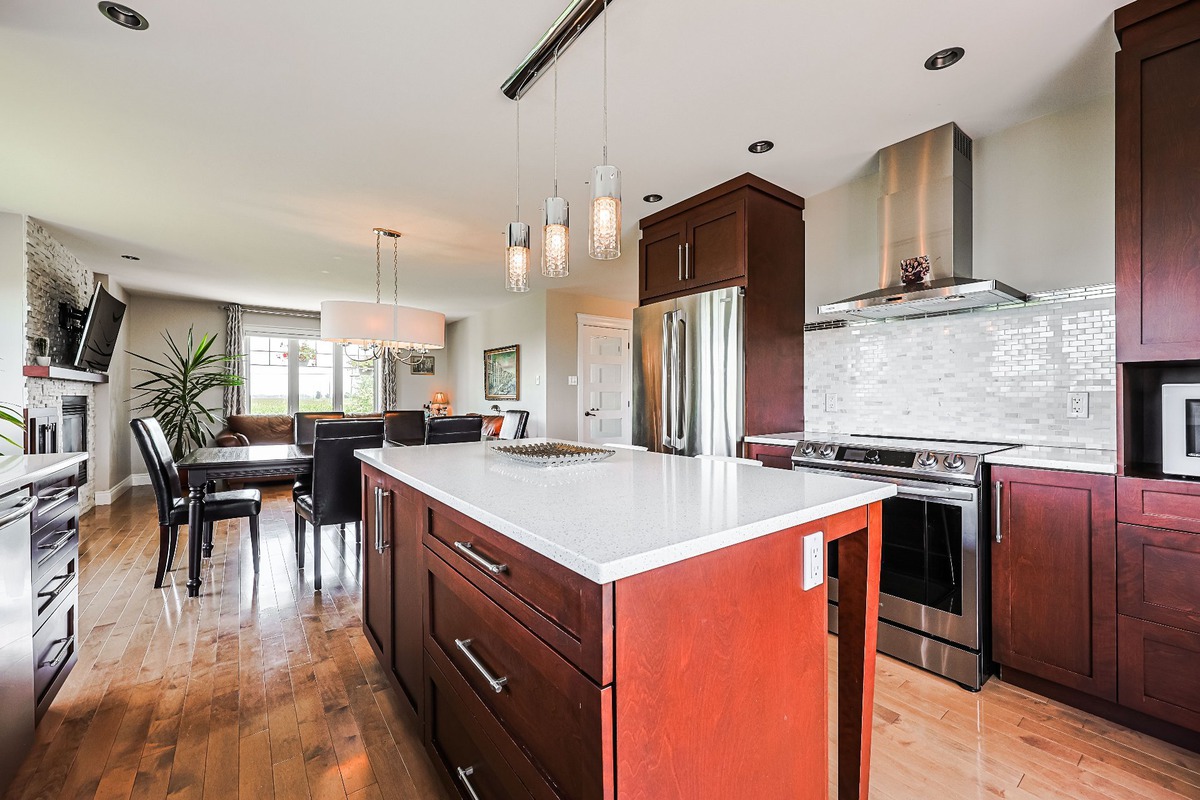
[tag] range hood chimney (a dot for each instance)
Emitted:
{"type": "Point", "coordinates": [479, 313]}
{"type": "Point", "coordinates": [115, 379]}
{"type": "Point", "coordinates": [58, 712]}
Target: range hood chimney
{"type": "Point", "coordinates": [925, 232]}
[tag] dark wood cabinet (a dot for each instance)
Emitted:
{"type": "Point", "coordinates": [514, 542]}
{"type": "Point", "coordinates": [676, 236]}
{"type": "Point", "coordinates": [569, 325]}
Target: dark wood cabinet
{"type": "Point", "coordinates": [377, 578]}
{"type": "Point", "coordinates": [1158, 207]}
{"type": "Point", "coordinates": [778, 456]}
{"type": "Point", "coordinates": [1158, 576]}
{"type": "Point", "coordinates": [1054, 577]}
{"type": "Point", "coordinates": [661, 259]}
{"type": "Point", "coordinates": [1158, 671]}
{"type": "Point", "coordinates": [702, 247]}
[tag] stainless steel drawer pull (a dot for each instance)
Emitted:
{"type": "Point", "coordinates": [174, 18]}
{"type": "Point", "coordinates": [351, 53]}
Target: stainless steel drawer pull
{"type": "Point", "coordinates": [51, 548]}
{"type": "Point", "coordinates": [59, 495]}
{"type": "Point", "coordinates": [497, 684]}
{"type": "Point", "coordinates": [19, 511]}
{"type": "Point", "coordinates": [464, 775]}
{"type": "Point", "coordinates": [467, 549]}
{"type": "Point", "coordinates": [64, 648]}
{"type": "Point", "coordinates": [65, 582]}
{"type": "Point", "coordinates": [998, 492]}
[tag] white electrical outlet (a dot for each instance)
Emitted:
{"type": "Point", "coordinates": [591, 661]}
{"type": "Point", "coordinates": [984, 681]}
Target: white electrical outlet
{"type": "Point", "coordinates": [537, 380]}
{"type": "Point", "coordinates": [814, 560]}
{"type": "Point", "coordinates": [572, 380]}
{"type": "Point", "coordinates": [831, 402]}
{"type": "Point", "coordinates": [1077, 405]}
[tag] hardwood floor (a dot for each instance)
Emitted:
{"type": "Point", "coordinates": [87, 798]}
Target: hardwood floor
{"type": "Point", "coordinates": [262, 689]}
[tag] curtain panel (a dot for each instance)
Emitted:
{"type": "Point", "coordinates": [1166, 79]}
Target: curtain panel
{"type": "Point", "coordinates": [235, 347]}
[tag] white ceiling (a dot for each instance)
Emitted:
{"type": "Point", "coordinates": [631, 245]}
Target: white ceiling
{"type": "Point", "coordinates": [245, 150]}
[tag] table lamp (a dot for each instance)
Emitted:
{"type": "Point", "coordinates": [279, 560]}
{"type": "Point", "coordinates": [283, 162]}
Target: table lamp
{"type": "Point", "coordinates": [439, 403]}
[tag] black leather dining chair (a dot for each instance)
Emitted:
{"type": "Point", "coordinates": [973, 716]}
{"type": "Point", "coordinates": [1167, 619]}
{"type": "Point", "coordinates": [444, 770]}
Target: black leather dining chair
{"type": "Point", "coordinates": [515, 424]}
{"type": "Point", "coordinates": [304, 424]}
{"type": "Point", "coordinates": [404, 427]}
{"type": "Point", "coordinates": [448, 430]}
{"type": "Point", "coordinates": [336, 495]}
{"type": "Point", "coordinates": [173, 504]}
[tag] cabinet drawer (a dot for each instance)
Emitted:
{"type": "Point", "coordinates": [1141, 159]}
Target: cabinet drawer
{"type": "Point", "coordinates": [54, 654]}
{"type": "Point", "coordinates": [1158, 576]}
{"type": "Point", "coordinates": [47, 546]}
{"type": "Point", "coordinates": [569, 612]}
{"type": "Point", "coordinates": [1159, 503]}
{"type": "Point", "coordinates": [1158, 671]}
{"type": "Point", "coordinates": [54, 499]}
{"type": "Point", "coordinates": [456, 743]}
{"type": "Point", "coordinates": [557, 717]}
{"type": "Point", "coordinates": [771, 455]}
{"type": "Point", "coordinates": [59, 585]}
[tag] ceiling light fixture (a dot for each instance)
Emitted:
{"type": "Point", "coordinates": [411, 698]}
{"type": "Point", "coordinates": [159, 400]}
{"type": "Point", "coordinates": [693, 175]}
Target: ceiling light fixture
{"type": "Point", "coordinates": [604, 234]}
{"type": "Point", "coordinates": [761, 146]}
{"type": "Point", "coordinates": [568, 27]}
{"type": "Point", "coordinates": [945, 58]}
{"type": "Point", "coordinates": [131, 258]}
{"type": "Point", "coordinates": [653, 198]}
{"type": "Point", "coordinates": [516, 253]}
{"type": "Point", "coordinates": [556, 224]}
{"type": "Point", "coordinates": [124, 16]}
{"type": "Point", "coordinates": [379, 328]}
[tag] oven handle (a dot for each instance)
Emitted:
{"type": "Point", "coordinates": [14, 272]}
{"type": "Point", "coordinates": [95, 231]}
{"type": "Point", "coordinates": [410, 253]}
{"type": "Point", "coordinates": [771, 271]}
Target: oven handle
{"type": "Point", "coordinates": [935, 494]}
{"type": "Point", "coordinates": [904, 488]}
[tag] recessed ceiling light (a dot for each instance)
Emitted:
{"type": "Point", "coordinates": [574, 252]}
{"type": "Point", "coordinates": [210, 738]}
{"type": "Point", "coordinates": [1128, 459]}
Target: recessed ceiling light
{"type": "Point", "coordinates": [653, 198]}
{"type": "Point", "coordinates": [123, 15]}
{"type": "Point", "coordinates": [945, 58]}
{"type": "Point", "coordinates": [131, 258]}
{"type": "Point", "coordinates": [761, 146]}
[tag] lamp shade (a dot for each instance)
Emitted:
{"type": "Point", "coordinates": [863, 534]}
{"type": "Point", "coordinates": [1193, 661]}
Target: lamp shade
{"type": "Point", "coordinates": [364, 324]}
{"type": "Point", "coordinates": [440, 398]}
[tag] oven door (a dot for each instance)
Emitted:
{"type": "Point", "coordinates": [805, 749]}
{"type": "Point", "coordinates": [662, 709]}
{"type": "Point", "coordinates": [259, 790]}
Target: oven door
{"type": "Point", "coordinates": [929, 572]}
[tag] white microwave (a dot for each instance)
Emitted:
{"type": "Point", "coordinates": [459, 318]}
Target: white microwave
{"type": "Point", "coordinates": [1181, 428]}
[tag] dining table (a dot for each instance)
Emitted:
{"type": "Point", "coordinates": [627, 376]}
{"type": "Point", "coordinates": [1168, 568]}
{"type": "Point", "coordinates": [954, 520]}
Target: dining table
{"type": "Point", "coordinates": [253, 462]}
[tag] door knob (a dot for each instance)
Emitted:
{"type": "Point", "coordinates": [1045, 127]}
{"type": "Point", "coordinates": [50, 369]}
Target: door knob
{"type": "Point", "coordinates": [588, 414]}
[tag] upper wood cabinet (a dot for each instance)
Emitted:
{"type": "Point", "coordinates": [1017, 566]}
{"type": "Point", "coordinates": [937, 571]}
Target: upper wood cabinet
{"type": "Point", "coordinates": [1054, 594]}
{"type": "Point", "coordinates": [1158, 205]}
{"type": "Point", "coordinates": [742, 228]}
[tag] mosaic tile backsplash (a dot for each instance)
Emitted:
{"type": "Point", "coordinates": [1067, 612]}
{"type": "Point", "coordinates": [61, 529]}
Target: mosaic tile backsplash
{"type": "Point", "coordinates": [1000, 374]}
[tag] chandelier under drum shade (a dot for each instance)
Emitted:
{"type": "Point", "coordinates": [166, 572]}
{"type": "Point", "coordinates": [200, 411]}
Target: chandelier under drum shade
{"type": "Point", "coordinates": [383, 328]}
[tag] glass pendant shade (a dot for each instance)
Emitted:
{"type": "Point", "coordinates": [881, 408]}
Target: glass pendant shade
{"type": "Point", "coordinates": [556, 238]}
{"type": "Point", "coordinates": [516, 258]}
{"type": "Point", "coordinates": [604, 234]}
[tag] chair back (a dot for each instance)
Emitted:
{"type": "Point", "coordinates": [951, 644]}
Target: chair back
{"type": "Point", "coordinates": [304, 424]}
{"type": "Point", "coordinates": [515, 423]}
{"type": "Point", "coordinates": [336, 485]}
{"type": "Point", "coordinates": [404, 427]}
{"type": "Point", "coordinates": [447, 430]}
{"type": "Point", "coordinates": [156, 452]}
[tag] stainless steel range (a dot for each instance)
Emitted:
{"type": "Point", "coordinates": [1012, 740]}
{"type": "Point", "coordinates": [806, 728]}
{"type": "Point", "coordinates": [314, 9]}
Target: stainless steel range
{"type": "Point", "coordinates": [934, 594]}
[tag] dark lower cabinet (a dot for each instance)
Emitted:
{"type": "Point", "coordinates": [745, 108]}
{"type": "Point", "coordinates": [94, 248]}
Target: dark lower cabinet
{"type": "Point", "coordinates": [771, 455]}
{"type": "Point", "coordinates": [1054, 577]}
{"type": "Point", "coordinates": [377, 574]}
{"type": "Point", "coordinates": [1158, 671]}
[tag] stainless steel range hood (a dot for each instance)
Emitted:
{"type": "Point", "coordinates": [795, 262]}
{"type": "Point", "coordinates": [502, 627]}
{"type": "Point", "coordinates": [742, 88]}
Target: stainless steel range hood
{"type": "Point", "coordinates": [925, 216]}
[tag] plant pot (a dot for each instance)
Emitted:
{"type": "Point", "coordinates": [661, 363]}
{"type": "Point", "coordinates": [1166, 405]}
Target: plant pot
{"type": "Point", "coordinates": [42, 361]}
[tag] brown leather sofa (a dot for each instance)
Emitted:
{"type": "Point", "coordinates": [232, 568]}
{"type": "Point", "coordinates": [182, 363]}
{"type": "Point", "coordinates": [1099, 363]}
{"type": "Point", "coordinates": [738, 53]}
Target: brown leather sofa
{"type": "Point", "coordinates": [242, 430]}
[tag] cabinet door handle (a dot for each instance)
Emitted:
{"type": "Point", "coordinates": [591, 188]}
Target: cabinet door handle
{"type": "Point", "coordinates": [464, 776]}
{"type": "Point", "coordinates": [21, 510]}
{"type": "Point", "coordinates": [66, 581]}
{"type": "Point", "coordinates": [997, 493]}
{"type": "Point", "coordinates": [64, 647]}
{"type": "Point", "coordinates": [687, 260]}
{"type": "Point", "coordinates": [381, 496]}
{"type": "Point", "coordinates": [497, 684]}
{"type": "Point", "coordinates": [53, 547]}
{"type": "Point", "coordinates": [679, 250]}
{"type": "Point", "coordinates": [59, 495]}
{"type": "Point", "coordinates": [467, 549]}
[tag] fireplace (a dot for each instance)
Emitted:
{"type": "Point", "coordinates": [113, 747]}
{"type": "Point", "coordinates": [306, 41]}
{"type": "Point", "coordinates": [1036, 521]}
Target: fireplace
{"type": "Point", "coordinates": [73, 433]}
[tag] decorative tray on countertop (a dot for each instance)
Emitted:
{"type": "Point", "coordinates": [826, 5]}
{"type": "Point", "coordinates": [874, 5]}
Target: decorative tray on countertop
{"type": "Point", "coordinates": [553, 454]}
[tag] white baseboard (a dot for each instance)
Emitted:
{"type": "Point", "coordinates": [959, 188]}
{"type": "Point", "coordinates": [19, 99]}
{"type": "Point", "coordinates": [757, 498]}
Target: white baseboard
{"type": "Point", "coordinates": [140, 478]}
{"type": "Point", "coordinates": [106, 498]}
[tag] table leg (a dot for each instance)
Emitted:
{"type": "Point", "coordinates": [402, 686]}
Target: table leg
{"type": "Point", "coordinates": [858, 627]}
{"type": "Point", "coordinates": [209, 488]}
{"type": "Point", "coordinates": [196, 486]}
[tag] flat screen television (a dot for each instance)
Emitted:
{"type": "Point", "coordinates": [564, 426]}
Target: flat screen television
{"type": "Point", "coordinates": [100, 331]}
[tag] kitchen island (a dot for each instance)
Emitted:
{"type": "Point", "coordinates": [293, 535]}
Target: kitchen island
{"type": "Point", "coordinates": [634, 628]}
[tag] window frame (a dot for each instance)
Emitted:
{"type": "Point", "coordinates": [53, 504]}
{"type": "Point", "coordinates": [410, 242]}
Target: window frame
{"type": "Point", "coordinates": [293, 372]}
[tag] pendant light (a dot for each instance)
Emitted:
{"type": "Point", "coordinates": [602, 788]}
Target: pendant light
{"type": "Point", "coordinates": [556, 225]}
{"type": "Point", "coordinates": [516, 253]}
{"type": "Point", "coordinates": [381, 328]}
{"type": "Point", "coordinates": [604, 234]}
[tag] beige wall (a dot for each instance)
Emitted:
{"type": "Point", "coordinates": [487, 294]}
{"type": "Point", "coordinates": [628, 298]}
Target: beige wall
{"type": "Point", "coordinates": [562, 354]}
{"type": "Point", "coordinates": [148, 316]}
{"type": "Point", "coordinates": [12, 321]}
{"type": "Point", "coordinates": [1043, 211]}
{"type": "Point", "coordinates": [113, 463]}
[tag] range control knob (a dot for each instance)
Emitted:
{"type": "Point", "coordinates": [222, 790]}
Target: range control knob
{"type": "Point", "coordinates": [954, 462]}
{"type": "Point", "coordinates": [828, 451]}
{"type": "Point", "coordinates": [809, 449]}
{"type": "Point", "coordinates": [926, 460]}
{"type": "Point", "coordinates": [873, 456]}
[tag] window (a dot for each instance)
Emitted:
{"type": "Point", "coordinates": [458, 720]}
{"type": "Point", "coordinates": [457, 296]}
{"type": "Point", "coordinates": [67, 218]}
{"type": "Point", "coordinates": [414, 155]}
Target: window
{"type": "Point", "coordinates": [287, 375]}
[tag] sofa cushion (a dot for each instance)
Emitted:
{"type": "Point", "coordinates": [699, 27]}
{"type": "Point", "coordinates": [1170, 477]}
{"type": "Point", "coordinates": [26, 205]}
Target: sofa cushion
{"type": "Point", "coordinates": [262, 428]}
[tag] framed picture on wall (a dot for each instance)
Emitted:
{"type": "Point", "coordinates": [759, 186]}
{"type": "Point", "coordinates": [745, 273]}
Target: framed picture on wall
{"type": "Point", "coordinates": [421, 365]}
{"type": "Point", "coordinates": [502, 373]}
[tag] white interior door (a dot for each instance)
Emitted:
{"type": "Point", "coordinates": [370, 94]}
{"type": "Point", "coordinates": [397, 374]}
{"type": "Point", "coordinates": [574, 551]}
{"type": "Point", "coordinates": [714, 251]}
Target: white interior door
{"type": "Point", "coordinates": [605, 381]}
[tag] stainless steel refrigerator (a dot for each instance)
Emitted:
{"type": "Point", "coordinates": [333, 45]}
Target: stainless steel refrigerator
{"type": "Point", "coordinates": [689, 374]}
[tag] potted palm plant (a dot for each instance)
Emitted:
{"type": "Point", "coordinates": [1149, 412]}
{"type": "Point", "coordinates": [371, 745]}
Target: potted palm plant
{"type": "Point", "coordinates": [175, 386]}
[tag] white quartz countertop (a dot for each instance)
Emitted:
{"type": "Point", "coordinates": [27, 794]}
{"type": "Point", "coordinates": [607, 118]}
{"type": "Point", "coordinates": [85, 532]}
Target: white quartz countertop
{"type": "Point", "coordinates": [790, 439]}
{"type": "Point", "coordinates": [1073, 459]}
{"type": "Point", "coordinates": [18, 471]}
{"type": "Point", "coordinates": [629, 514]}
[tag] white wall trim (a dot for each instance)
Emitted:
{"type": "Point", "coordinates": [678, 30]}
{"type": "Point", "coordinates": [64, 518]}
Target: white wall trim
{"type": "Point", "coordinates": [603, 322]}
{"type": "Point", "coordinates": [140, 478]}
{"type": "Point", "coordinates": [104, 498]}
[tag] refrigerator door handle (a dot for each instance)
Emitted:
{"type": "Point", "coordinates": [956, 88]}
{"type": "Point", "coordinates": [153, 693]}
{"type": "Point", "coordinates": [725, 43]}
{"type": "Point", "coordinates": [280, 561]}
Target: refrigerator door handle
{"type": "Point", "coordinates": [666, 389]}
{"type": "Point", "coordinates": [681, 382]}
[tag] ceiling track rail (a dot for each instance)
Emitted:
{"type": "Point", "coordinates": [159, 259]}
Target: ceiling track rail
{"type": "Point", "coordinates": [572, 22]}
